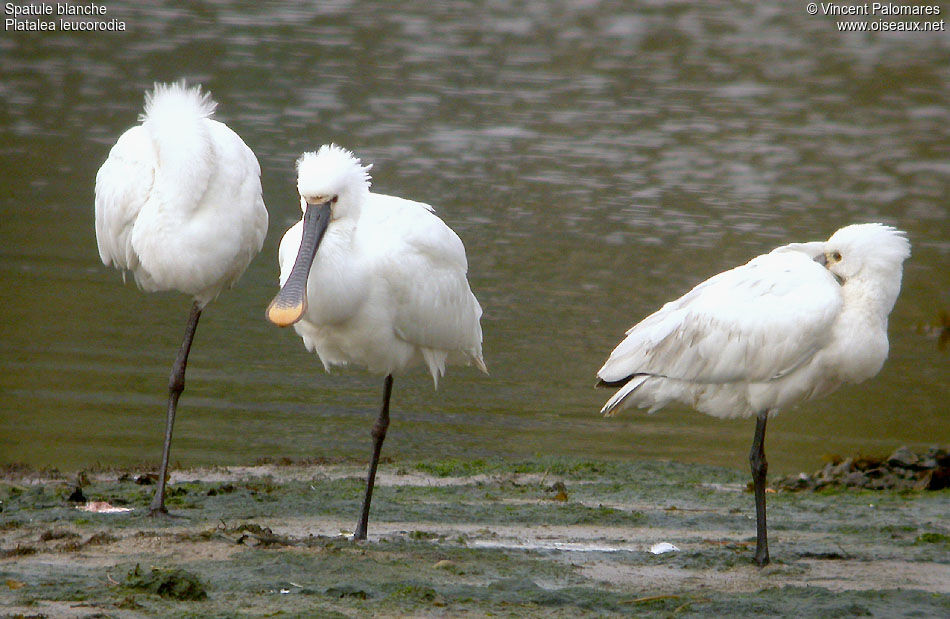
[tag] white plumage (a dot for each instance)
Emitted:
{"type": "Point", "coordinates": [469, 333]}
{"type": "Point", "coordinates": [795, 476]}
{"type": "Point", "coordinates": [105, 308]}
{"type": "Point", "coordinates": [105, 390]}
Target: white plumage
{"type": "Point", "coordinates": [178, 201]}
{"type": "Point", "coordinates": [179, 205]}
{"type": "Point", "coordinates": [769, 334]}
{"type": "Point", "coordinates": [387, 288]}
{"type": "Point", "coordinates": [786, 327]}
{"type": "Point", "coordinates": [373, 280]}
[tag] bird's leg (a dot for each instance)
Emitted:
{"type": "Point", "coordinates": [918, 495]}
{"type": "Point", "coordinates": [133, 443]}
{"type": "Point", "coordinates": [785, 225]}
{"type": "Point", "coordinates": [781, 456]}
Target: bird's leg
{"type": "Point", "coordinates": [379, 435]}
{"type": "Point", "coordinates": [759, 469]}
{"type": "Point", "coordinates": [176, 384]}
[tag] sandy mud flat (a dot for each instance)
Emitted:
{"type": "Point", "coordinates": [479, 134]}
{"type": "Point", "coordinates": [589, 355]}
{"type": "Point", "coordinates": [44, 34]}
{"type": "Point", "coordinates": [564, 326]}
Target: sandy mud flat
{"type": "Point", "coordinates": [547, 537]}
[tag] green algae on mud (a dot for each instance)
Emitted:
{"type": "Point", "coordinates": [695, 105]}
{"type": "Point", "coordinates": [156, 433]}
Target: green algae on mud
{"type": "Point", "coordinates": [546, 537]}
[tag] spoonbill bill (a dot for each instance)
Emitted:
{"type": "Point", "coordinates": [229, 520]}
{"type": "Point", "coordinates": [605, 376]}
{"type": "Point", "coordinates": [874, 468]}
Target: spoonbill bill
{"type": "Point", "coordinates": [787, 326]}
{"type": "Point", "coordinates": [373, 280]}
{"type": "Point", "coordinates": [178, 204]}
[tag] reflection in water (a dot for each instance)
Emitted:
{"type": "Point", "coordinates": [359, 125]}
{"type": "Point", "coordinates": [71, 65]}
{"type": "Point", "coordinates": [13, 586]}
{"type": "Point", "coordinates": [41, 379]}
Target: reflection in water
{"type": "Point", "coordinates": [597, 158]}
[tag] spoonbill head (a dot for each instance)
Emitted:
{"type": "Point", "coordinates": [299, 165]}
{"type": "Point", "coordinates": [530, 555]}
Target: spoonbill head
{"type": "Point", "coordinates": [179, 205]}
{"type": "Point", "coordinates": [333, 185]}
{"type": "Point", "coordinates": [373, 280]}
{"type": "Point", "coordinates": [786, 327]}
{"type": "Point", "coordinates": [333, 174]}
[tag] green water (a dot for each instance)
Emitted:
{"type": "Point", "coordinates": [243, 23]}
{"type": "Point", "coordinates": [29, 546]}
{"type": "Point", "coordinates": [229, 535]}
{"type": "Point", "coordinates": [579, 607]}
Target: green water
{"type": "Point", "coordinates": [597, 159]}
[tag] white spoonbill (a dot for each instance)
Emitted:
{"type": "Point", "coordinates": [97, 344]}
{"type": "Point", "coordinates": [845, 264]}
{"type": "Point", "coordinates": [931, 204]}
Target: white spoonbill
{"type": "Point", "coordinates": [178, 204]}
{"type": "Point", "coordinates": [786, 327]}
{"type": "Point", "coordinates": [374, 280]}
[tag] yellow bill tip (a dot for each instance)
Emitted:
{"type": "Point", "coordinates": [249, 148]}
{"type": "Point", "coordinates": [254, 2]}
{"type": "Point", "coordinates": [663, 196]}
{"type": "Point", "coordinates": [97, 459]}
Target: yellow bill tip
{"type": "Point", "coordinates": [284, 316]}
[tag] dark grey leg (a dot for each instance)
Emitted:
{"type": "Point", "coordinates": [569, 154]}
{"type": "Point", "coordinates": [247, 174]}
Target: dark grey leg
{"type": "Point", "coordinates": [379, 435]}
{"type": "Point", "coordinates": [759, 469]}
{"type": "Point", "coordinates": [176, 384]}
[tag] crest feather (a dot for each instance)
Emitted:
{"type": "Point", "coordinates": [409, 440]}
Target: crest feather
{"type": "Point", "coordinates": [331, 170]}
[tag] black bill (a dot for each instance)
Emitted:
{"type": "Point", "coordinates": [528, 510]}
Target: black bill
{"type": "Point", "coordinates": [291, 302]}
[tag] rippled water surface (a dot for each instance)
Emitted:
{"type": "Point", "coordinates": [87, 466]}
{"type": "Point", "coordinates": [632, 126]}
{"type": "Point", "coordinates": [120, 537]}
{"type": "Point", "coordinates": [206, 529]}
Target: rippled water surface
{"type": "Point", "coordinates": [597, 159]}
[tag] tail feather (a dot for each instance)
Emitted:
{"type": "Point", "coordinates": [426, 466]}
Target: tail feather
{"type": "Point", "coordinates": [618, 398]}
{"type": "Point", "coordinates": [480, 363]}
{"type": "Point", "coordinates": [607, 384]}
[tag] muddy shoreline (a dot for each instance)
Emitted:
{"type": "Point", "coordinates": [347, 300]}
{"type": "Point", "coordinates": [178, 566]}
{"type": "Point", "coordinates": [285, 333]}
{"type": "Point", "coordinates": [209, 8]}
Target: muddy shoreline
{"type": "Point", "coordinates": [551, 537]}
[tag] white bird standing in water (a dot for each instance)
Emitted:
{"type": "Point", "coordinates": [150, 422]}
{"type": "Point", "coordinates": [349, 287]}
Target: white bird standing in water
{"type": "Point", "coordinates": [178, 204]}
{"type": "Point", "coordinates": [374, 280]}
{"type": "Point", "coordinates": [786, 327]}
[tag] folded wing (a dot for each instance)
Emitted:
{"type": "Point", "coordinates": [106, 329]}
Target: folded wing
{"type": "Point", "coordinates": [434, 305]}
{"type": "Point", "coordinates": [754, 323]}
{"type": "Point", "coordinates": [123, 185]}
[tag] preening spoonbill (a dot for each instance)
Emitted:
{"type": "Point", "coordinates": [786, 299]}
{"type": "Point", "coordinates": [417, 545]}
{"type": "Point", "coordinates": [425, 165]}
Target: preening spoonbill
{"type": "Point", "coordinates": [786, 327]}
{"type": "Point", "coordinates": [374, 280]}
{"type": "Point", "coordinates": [178, 204]}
